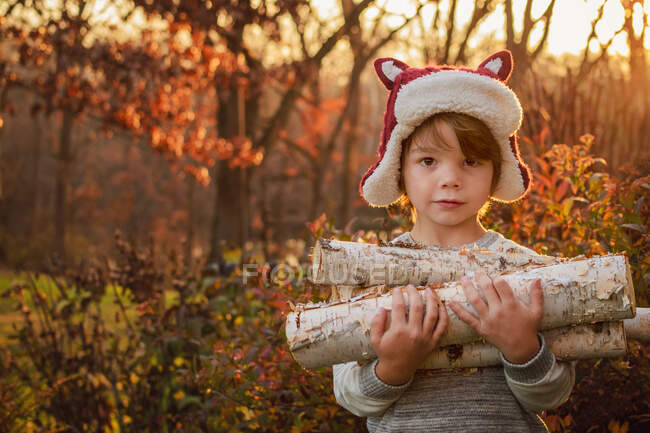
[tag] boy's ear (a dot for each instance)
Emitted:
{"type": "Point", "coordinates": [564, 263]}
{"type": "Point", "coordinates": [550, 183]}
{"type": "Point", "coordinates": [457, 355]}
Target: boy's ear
{"type": "Point", "coordinates": [388, 69]}
{"type": "Point", "coordinates": [500, 63]}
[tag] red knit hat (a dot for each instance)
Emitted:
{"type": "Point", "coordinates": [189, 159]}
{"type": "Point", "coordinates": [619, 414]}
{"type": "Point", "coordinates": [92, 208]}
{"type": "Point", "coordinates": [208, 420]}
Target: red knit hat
{"type": "Point", "coordinates": [417, 94]}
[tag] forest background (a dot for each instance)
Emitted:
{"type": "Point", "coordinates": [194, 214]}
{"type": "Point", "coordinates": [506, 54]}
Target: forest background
{"type": "Point", "coordinates": [149, 149]}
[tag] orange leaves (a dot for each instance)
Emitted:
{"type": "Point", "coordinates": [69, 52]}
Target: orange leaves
{"type": "Point", "coordinates": [332, 105]}
{"type": "Point", "coordinates": [337, 158]}
{"type": "Point", "coordinates": [317, 226]}
{"type": "Point", "coordinates": [614, 426]}
{"type": "Point", "coordinates": [239, 152]}
{"type": "Point", "coordinates": [316, 118]}
{"type": "Point", "coordinates": [201, 174]}
{"type": "Point", "coordinates": [244, 154]}
{"type": "Point", "coordinates": [561, 191]}
{"type": "Point", "coordinates": [280, 305]}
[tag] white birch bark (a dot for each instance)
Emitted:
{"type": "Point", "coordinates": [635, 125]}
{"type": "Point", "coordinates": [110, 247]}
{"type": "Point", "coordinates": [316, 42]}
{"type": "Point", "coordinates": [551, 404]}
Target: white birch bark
{"type": "Point", "coordinates": [352, 264]}
{"type": "Point", "coordinates": [639, 326]}
{"type": "Point", "coordinates": [598, 340]}
{"type": "Point", "coordinates": [575, 292]}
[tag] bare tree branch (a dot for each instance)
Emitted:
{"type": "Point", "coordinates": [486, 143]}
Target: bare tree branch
{"type": "Point", "coordinates": [478, 14]}
{"type": "Point", "coordinates": [547, 25]}
{"type": "Point", "coordinates": [586, 66]}
{"type": "Point", "coordinates": [450, 30]}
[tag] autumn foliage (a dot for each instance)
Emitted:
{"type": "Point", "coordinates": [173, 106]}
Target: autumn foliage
{"type": "Point", "coordinates": [148, 348]}
{"type": "Point", "coordinates": [150, 149]}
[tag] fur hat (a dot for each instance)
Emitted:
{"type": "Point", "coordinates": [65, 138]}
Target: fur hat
{"type": "Point", "coordinates": [417, 94]}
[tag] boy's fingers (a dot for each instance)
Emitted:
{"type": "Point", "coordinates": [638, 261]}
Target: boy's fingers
{"type": "Point", "coordinates": [473, 297]}
{"type": "Point", "coordinates": [487, 286]}
{"type": "Point", "coordinates": [537, 298]}
{"type": "Point", "coordinates": [441, 326]}
{"type": "Point", "coordinates": [378, 327]}
{"type": "Point", "coordinates": [432, 315]}
{"type": "Point", "coordinates": [465, 315]}
{"type": "Point", "coordinates": [416, 306]}
{"type": "Point", "coordinates": [504, 290]}
{"type": "Point", "coordinates": [399, 310]}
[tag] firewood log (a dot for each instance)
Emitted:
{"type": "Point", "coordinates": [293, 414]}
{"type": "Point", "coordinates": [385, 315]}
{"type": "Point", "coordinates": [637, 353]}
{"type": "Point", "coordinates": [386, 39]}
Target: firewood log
{"type": "Point", "coordinates": [352, 264]}
{"type": "Point", "coordinates": [577, 291]}
{"type": "Point", "coordinates": [639, 326]}
{"type": "Point", "coordinates": [598, 340]}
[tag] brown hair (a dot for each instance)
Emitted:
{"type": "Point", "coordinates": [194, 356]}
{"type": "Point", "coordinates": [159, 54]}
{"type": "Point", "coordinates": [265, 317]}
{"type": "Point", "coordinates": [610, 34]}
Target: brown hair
{"type": "Point", "coordinates": [476, 142]}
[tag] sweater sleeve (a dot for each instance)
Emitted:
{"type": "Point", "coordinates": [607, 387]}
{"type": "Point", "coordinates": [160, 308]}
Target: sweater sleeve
{"type": "Point", "coordinates": [358, 389]}
{"type": "Point", "coordinates": [541, 383]}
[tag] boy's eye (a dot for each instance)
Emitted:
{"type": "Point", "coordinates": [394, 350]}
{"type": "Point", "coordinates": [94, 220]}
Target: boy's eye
{"type": "Point", "coordinates": [472, 162]}
{"type": "Point", "coordinates": [427, 162]}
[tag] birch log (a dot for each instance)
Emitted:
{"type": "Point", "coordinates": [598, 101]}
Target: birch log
{"type": "Point", "coordinates": [575, 292]}
{"type": "Point", "coordinates": [639, 326]}
{"type": "Point", "coordinates": [598, 340]}
{"type": "Point", "coordinates": [343, 263]}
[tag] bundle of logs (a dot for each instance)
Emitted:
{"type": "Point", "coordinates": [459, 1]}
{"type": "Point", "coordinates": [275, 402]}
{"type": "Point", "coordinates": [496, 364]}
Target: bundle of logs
{"type": "Point", "coordinates": [589, 304]}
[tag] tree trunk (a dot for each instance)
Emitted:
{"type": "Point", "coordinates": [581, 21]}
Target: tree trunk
{"type": "Point", "coordinates": [350, 149]}
{"type": "Point", "coordinates": [575, 292]}
{"type": "Point", "coordinates": [244, 209]}
{"type": "Point", "coordinates": [316, 184]}
{"type": "Point", "coordinates": [189, 241]}
{"type": "Point", "coordinates": [34, 170]}
{"type": "Point", "coordinates": [359, 264]}
{"type": "Point", "coordinates": [226, 203]}
{"type": "Point", "coordinates": [637, 62]}
{"type": "Point", "coordinates": [63, 163]}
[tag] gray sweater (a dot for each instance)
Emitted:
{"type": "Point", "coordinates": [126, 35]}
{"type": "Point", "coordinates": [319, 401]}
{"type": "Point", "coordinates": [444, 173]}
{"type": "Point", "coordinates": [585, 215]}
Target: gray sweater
{"type": "Point", "coordinates": [500, 399]}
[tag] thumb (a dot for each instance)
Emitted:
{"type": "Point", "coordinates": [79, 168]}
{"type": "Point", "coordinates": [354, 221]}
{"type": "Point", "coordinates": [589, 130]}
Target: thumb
{"type": "Point", "coordinates": [537, 298]}
{"type": "Point", "coordinates": [378, 327]}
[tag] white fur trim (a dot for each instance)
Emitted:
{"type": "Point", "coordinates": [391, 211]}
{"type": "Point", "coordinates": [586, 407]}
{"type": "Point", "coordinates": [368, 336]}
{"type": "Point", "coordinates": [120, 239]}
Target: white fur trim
{"type": "Point", "coordinates": [390, 70]}
{"type": "Point", "coordinates": [459, 91]}
{"type": "Point", "coordinates": [511, 183]}
{"type": "Point", "coordinates": [485, 98]}
{"type": "Point", "coordinates": [381, 188]}
{"type": "Point", "coordinates": [494, 65]}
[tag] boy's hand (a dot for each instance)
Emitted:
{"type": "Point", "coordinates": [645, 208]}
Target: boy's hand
{"type": "Point", "coordinates": [506, 321]}
{"type": "Point", "coordinates": [406, 343]}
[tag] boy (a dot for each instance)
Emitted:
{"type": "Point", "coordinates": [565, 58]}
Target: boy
{"type": "Point", "coordinates": [448, 147]}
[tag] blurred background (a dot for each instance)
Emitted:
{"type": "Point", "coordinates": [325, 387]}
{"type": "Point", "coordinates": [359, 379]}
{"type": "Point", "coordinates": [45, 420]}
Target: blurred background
{"type": "Point", "coordinates": [150, 148]}
{"type": "Point", "coordinates": [222, 123]}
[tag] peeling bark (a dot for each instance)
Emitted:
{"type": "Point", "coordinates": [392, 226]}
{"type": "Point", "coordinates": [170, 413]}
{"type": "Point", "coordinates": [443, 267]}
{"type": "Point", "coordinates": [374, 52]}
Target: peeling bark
{"type": "Point", "coordinates": [349, 265]}
{"type": "Point", "coordinates": [577, 291]}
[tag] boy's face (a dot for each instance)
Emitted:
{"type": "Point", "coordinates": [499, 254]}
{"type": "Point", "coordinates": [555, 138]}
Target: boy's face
{"type": "Point", "coordinates": [446, 188]}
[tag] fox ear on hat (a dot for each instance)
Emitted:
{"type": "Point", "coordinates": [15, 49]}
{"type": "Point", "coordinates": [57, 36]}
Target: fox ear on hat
{"type": "Point", "coordinates": [388, 69]}
{"type": "Point", "coordinates": [499, 63]}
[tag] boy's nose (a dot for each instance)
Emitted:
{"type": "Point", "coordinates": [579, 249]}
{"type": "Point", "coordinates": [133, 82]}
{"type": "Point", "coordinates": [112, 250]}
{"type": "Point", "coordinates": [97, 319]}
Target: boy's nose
{"type": "Point", "coordinates": [451, 183]}
{"type": "Point", "coordinates": [449, 179]}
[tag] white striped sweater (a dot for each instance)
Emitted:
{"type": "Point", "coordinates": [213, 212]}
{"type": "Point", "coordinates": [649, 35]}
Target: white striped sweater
{"type": "Point", "coordinates": [500, 399]}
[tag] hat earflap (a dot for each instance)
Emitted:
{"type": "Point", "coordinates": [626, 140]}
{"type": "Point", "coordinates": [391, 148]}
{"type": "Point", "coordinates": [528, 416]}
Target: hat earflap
{"type": "Point", "coordinates": [523, 168]}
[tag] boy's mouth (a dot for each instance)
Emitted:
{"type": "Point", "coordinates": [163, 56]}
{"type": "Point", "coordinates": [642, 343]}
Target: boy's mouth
{"type": "Point", "coordinates": [449, 204]}
{"type": "Point", "coordinates": [449, 201]}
